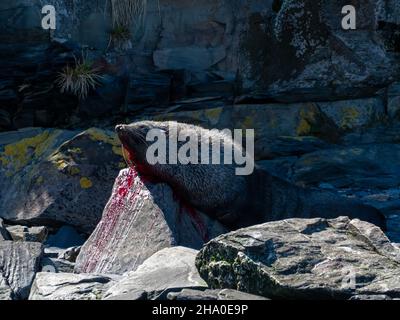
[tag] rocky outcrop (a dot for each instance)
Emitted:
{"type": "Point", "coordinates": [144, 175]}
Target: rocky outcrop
{"type": "Point", "coordinates": [213, 295]}
{"type": "Point", "coordinates": [169, 270]}
{"type": "Point", "coordinates": [68, 286]}
{"type": "Point", "coordinates": [22, 233]}
{"type": "Point", "coordinates": [356, 166]}
{"type": "Point", "coordinates": [140, 219]}
{"type": "Point", "coordinates": [56, 177]}
{"type": "Point", "coordinates": [19, 262]}
{"type": "Point", "coordinates": [304, 259]}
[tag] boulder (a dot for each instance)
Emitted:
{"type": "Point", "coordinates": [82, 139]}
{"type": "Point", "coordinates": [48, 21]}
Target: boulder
{"type": "Point", "coordinates": [55, 177]}
{"type": "Point", "coordinates": [357, 166]}
{"type": "Point", "coordinates": [139, 220]}
{"type": "Point", "coordinates": [304, 259]}
{"type": "Point", "coordinates": [23, 233]}
{"type": "Point", "coordinates": [68, 286]}
{"type": "Point", "coordinates": [19, 262]}
{"type": "Point", "coordinates": [213, 295]}
{"type": "Point", "coordinates": [168, 270]}
{"type": "Point", "coordinates": [70, 254]}
{"type": "Point", "coordinates": [4, 235]}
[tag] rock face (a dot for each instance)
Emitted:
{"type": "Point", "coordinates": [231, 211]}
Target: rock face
{"type": "Point", "coordinates": [374, 165]}
{"type": "Point", "coordinates": [139, 220]}
{"type": "Point", "coordinates": [225, 294]}
{"type": "Point", "coordinates": [304, 259]}
{"type": "Point", "coordinates": [169, 270]}
{"type": "Point", "coordinates": [19, 262]}
{"type": "Point", "coordinates": [68, 286]}
{"type": "Point", "coordinates": [33, 234]}
{"type": "Point", "coordinates": [55, 177]}
{"type": "Point", "coordinates": [4, 235]}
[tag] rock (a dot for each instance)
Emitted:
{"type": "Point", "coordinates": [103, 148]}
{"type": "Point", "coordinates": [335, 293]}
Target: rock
{"type": "Point", "coordinates": [168, 270]}
{"type": "Point", "coordinates": [147, 90]}
{"type": "Point", "coordinates": [139, 220]}
{"type": "Point", "coordinates": [226, 294]}
{"type": "Point", "coordinates": [393, 104]}
{"type": "Point", "coordinates": [108, 98]}
{"type": "Point", "coordinates": [67, 286]}
{"type": "Point", "coordinates": [70, 254]}
{"type": "Point", "coordinates": [53, 176]}
{"type": "Point", "coordinates": [304, 259]}
{"type": "Point", "coordinates": [189, 58]}
{"type": "Point", "coordinates": [371, 297]}
{"type": "Point", "coordinates": [354, 114]}
{"type": "Point", "coordinates": [371, 166]}
{"type": "Point", "coordinates": [65, 238]}
{"type": "Point", "coordinates": [55, 265]}
{"type": "Point", "coordinates": [19, 262]}
{"type": "Point", "coordinates": [33, 234]}
{"type": "Point", "coordinates": [4, 235]}
{"type": "Point", "coordinates": [305, 71]}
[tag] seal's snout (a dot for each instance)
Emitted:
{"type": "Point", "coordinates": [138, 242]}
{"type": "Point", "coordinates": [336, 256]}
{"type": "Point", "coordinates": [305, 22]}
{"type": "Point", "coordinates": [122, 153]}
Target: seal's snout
{"type": "Point", "coordinates": [120, 128]}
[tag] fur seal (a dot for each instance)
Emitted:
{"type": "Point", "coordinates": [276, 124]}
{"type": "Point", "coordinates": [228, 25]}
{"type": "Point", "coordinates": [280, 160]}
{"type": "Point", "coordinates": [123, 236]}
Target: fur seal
{"type": "Point", "coordinates": [236, 201]}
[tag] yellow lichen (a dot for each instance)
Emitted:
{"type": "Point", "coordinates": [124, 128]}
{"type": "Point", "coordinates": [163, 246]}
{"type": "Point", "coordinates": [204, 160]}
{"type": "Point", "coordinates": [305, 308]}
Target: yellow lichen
{"type": "Point", "coordinates": [213, 115]}
{"type": "Point", "coordinates": [106, 137]}
{"type": "Point", "coordinates": [350, 116]}
{"type": "Point", "coordinates": [39, 180]}
{"type": "Point", "coordinates": [18, 155]}
{"type": "Point", "coordinates": [86, 183]}
{"type": "Point", "coordinates": [122, 165]}
{"type": "Point", "coordinates": [303, 128]}
{"type": "Point", "coordinates": [73, 170]}
{"type": "Point", "coordinates": [248, 123]}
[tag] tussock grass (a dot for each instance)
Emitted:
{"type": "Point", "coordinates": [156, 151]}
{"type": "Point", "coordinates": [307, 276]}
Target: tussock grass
{"type": "Point", "coordinates": [79, 79]}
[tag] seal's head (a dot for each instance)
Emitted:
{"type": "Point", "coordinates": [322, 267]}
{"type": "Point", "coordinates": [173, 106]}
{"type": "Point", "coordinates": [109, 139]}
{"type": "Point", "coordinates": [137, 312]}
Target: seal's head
{"type": "Point", "coordinates": [133, 139]}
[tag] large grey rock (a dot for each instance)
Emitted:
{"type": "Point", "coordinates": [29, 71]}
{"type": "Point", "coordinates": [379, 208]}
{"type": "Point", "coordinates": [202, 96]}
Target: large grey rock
{"type": "Point", "coordinates": [55, 177]}
{"type": "Point", "coordinates": [370, 166]}
{"type": "Point", "coordinates": [168, 270]}
{"type": "Point", "coordinates": [139, 220]}
{"type": "Point", "coordinates": [68, 286]}
{"type": "Point", "coordinates": [213, 295]}
{"type": "Point", "coordinates": [304, 259]}
{"type": "Point", "coordinates": [19, 262]}
{"type": "Point", "coordinates": [23, 233]}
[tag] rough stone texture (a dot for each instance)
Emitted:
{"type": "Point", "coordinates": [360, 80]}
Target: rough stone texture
{"type": "Point", "coordinates": [4, 235]}
{"type": "Point", "coordinates": [22, 233]}
{"type": "Point", "coordinates": [304, 259]}
{"type": "Point", "coordinates": [213, 295]}
{"type": "Point", "coordinates": [139, 220]}
{"type": "Point", "coordinates": [168, 270]}
{"type": "Point", "coordinates": [70, 254]}
{"type": "Point", "coordinates": [289, 50]}
{"type": "Point", "coordinates": [67, 286]}
{"type": "Point", "coordinates": [53, 177]}
{"type": "Point", "coordinates": [19, 262]}
{"type": "Point", "coordinates": [353, 114]}
{"type": "Point", "coordinates": [372, 165]}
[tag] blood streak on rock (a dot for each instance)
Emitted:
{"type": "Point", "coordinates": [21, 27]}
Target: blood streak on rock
{"type": "Point", "coordinates": [114, 210]}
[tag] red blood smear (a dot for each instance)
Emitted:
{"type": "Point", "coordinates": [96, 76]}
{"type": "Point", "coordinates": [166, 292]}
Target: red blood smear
{"type": "Point", "coordinates": [109, 221]}
{"type": "Point", "coordinates": [116, 207]}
